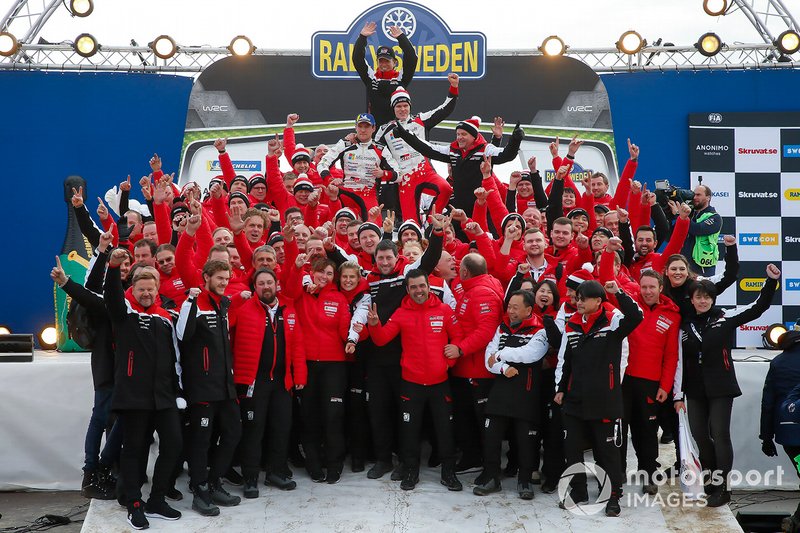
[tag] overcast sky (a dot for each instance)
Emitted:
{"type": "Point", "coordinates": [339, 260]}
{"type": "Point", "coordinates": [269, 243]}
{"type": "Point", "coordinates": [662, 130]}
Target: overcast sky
{"type": "Point", "coordinates": [281, 24]}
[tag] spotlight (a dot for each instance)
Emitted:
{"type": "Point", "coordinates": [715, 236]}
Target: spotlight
{"type": "Point", "coordinates": [85, 45]}
{"type": "Point", "coordinates": [553, 46]}
{"type": "Point", "coordinates": [788, 42]}
{"type": "Point", "coordinates": [241, 46]}
{"type": "Point", "coordinates": [5, 330]}
{"type": "Point", "coordinates": [709, 44]}
{"type": "Point", "coordinates": [715, 8]}
{"type": "Point", "coordinates": [164, 46]}
{"type": "Point", "coordinates": [772, 335]}
{"type": "Point", "coordinates": [48, 338]}
{"type": "Point", "coordinates": [81, 8]}
{"type": "Point", "coordinates": [630, 42]}
{"type": "Point", "coordinates": [8, 44]}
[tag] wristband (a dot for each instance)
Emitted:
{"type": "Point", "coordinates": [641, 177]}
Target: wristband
{"type": "Point", "coordinates": [571, 157]}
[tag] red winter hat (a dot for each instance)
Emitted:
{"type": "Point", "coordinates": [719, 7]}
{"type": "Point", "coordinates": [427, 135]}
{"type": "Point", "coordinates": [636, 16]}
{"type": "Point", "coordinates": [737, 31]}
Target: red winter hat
{"type": "Point", "coordinates": [301, 153]}
{"type": "Point", "coordinates": [470, 125]}
{"type": "Point", "coordinates": [400, 95]}
{"type": "Point", "coordinates": [576, 278]}
{"type": "Point", "coordinates": [302, 183]}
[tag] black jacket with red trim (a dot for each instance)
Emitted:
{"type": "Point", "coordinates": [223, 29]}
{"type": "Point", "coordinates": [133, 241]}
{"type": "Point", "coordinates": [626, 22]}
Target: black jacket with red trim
{"type": "Point", "coordinates": [522, 347]}
{"type": "Point", "coordinates": [590, 359]}
{"type": "Point", "coordinates": [705, 368]}
{"type": "Point", "coordinates": [146, 363]}
{"type": "Point", "coordinates": [206, 358]}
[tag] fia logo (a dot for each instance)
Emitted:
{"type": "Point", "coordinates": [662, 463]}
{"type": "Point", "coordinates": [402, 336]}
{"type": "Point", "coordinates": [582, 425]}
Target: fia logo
{"type": "Point", "coordinates": [714, 118]}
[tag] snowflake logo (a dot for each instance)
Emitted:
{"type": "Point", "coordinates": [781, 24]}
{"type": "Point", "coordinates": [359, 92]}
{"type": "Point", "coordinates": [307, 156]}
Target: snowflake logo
{"type": "Point", "coordinates": [400, 17]}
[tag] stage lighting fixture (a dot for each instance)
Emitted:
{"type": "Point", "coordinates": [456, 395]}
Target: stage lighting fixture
{"type": "Point", "coordinates": [48, 338]}
{"type": "Point", "coordinates": [715, 8]}
{"type": "Point", "coordinates": [164, 46]}
{"type": "Point", "coordinates": [5, 330]}
{"type": "Point", "coordinates": [788, 42]}
{"type": "Point", "coordinates": [630, 42]}
{"type": "Point", "coordinates": [241, 46]}
{"type": "Point", "coordinates": [81, 8]}
{"type": "Point", "coordinates": [772, 335]}
{"type": "Point", "coordinates": [553, 46]}
{"type": "Point", "coordinates": [85, 45]}
{"type": "Point", "coordinates": [8, 44]}
{"type": "Point", "coordinates": [709, 44]}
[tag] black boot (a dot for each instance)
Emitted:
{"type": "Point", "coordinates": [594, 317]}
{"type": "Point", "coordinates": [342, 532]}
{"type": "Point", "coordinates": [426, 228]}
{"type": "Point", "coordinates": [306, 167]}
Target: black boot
{"type": "Point", "coordinates": [380, 469]}
{"type": "Point", "coordinates": [449, 479]}
{"type": "Point", "coordinates": [89, 478]}
{"type": "Point", "coordinates": [222, 497]}
{"type": "Point", "coordinates": [410, 479]}
{"type": "Point", "coordinates": [491, 485]}
{"type": "Point", "coordinates": [276, 480]}
{"type": "Point", "coordinates": [612, 507]}
{"type": "Point", "coordinates": [719, 498]}
{"type": "Point", "coordinates": [250, 487]}
{"type": "Point", "coordinates": [202, 501]}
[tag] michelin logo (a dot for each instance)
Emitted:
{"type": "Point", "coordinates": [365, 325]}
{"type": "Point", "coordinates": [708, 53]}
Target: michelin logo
{"type": "Point", "coordinates": [238, 166]}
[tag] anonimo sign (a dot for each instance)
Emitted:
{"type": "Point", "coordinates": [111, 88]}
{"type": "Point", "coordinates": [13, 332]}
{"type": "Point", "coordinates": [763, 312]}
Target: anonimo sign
{"type": "Point", "coordinates": [439, 49]}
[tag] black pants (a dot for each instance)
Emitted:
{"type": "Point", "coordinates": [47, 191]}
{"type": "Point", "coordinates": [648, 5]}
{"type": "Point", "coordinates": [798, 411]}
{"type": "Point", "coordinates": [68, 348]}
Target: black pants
{"type": "Point", "coordinates": [269, 407]}
{"type": "Point", "coordinates": [207, 420]}
{"type": "Point", "coordinates": [668, 421]}
{"type": "Point", "coordinates": [137, 429]}
{"type": "Point", "coordinates": [322, 404]}
{"type": "Point", "coordinates": [383, 394]}
{"type": "Point", "coordinates": [710, 422]}
{"type": "Point", "coordinates": [413, 399]}
{"type": "Point", "coordinates": [357, 416]}
{"type": "Point", "coordinates": [469, 403]}
{"type": "Point", "coordinates": [551, 432]}
{"type": "Point", "coordinates": [640, 410]}
{"type": "Point", "coordinates": [606, 453]}
{"type": "Point", "coordinates": [524, 437]}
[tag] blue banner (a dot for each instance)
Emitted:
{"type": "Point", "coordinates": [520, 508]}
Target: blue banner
{"type": "Point", "coordinates": [439, 49]}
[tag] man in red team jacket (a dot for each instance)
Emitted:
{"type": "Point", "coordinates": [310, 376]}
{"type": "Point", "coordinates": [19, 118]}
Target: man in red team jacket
{"type": "Point", "coordinates": [425, 325]}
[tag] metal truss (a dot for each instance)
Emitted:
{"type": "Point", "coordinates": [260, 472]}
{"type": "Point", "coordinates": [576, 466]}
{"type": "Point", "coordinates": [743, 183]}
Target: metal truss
{"type": "Point", "coordinates": [768, 17]}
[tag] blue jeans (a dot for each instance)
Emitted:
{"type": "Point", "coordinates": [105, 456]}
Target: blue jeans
{"type": "Point", "coordinates": [94, 433]}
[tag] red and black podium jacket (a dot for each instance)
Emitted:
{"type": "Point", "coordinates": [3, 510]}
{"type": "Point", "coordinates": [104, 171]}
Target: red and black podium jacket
{"type": "Point", "coordinates": [146, 367]}
{"type": "Point", "coordinates": [589, 360]}
{"type": "Point", "coordinates": [206, 357]}
{"type": "Point", "coordinates": [523, 347]}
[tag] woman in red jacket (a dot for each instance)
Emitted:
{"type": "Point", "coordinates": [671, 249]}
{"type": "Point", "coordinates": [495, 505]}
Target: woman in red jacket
{"type": "Point", "coordinates": [324, 315]}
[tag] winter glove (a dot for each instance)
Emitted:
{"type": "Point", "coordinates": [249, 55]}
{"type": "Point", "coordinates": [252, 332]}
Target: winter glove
{"type": "Point", "coordinates": [768, 447]}
{"type": "Point", "coordinates": [518, 134]}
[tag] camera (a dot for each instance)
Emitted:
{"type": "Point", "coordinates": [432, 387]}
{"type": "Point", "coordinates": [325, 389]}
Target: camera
{"type": "Point", "coordinates": [666, 192]}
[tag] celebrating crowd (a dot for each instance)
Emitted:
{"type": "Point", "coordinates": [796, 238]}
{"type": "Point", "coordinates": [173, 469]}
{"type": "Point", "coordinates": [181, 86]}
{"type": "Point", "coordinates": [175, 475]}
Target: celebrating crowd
{"type": "Point", "coordinates": [362, 303]}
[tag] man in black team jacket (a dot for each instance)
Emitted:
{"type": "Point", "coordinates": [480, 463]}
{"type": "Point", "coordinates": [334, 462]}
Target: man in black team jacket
{"type": "Point", "coordinates": [588, 383]}
{"type": "Point", "coordinates": [207, 364]}
{"type": "Point", "coordinates": [146, 386]}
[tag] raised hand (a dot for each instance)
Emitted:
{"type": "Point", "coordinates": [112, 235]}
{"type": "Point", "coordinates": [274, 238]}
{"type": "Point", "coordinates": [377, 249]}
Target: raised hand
{"type": "Point", "coordinates": [57, 274]}
{"type": "Point", "coordinates": [374, 212]}
{"type": "Point", "coordinates": [459, 215]}
{"type": "Point", "coordinates": [235, 221]}
{"type": "Point", "coordinates": [105, 241]}
{"type": "Point", "coordinates": [369, 29]}
{"type": "Point", "coordinates": [440, 221]}
{"type": "Point", "coordinates": [453, 79]}
{"type": "Point", "coordinates": [77, 197]}
{"type": "Point", "coordinates": [729, 240]}
{"type": "Point", "coordinates": [497, 127]}
{"type": "Point", "coordinates": [623, 215]}
{"type": "Point", "coordinates": [118, 256]}
{"type": "Point", "coordinates": [291, 119]}
{"type": "Point", "coordinates": [388, 222]}
{"type": "Point", "coordinates": [288, 233]}
{"type": "Point", "coordinates": [125, 185]}
{"type": "Point", "coordinates": [611, 287]}
{"type": "Point", "coordinates": [473, 228]}
{"type": "Point", "coordinates": [274, 215]}
{"type": "Point", "coordinates": [562, 172]}
{"type": "Point", "coordinates": [574, 144]}
{"type": "Point", "coordinates": [300, 260]}
{"type": "Point", "coordinates": [194, 292]}
{"type": "Point", "coordinates": [581, 241]}
{"type": "Point", "coordinates": [614, 244]}
{"type": "Point", "coordinates": [773, 271]}
{"type": "Point", "coordinates": [221, 144]}
{"type": "Point", "coordinates": [155, 163]}
{"type": "Point", "coordinates": [273, 145]}
{"type": "Point", "coordinates": [532, 164]}
{"type": "Point", "coordinates": [486, 167]}
{"type": "Point", "coordinates": [684, 211]}
{"type": "Point", "coordinates": [480, 195]}
{"type": "Point", "coordinates": [193, 223]}
{"type": "Point", "coordinates": [524, 268]}
{"type": "Point", "coordinates": [102, 210]}
{"type": "Point", "coordinates": [216, 190]}
{"type": "Point", "coordinates": [553, 146]}
{"type": "Point", "coordinates": [395, 32]}
{"type": "Point", "coordinates": [633, 150]}
{"type": "Point", "coordinates": [372, 315]}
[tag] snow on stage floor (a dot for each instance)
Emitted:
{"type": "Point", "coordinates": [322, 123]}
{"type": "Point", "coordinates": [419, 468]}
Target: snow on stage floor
{"type": "Point", "coordinates": [359, 504]}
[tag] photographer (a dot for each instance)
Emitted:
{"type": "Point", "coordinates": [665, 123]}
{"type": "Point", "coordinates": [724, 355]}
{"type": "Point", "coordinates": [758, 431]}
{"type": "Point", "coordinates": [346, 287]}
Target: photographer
{"type": "Point", "coordinates": [705, 224]}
